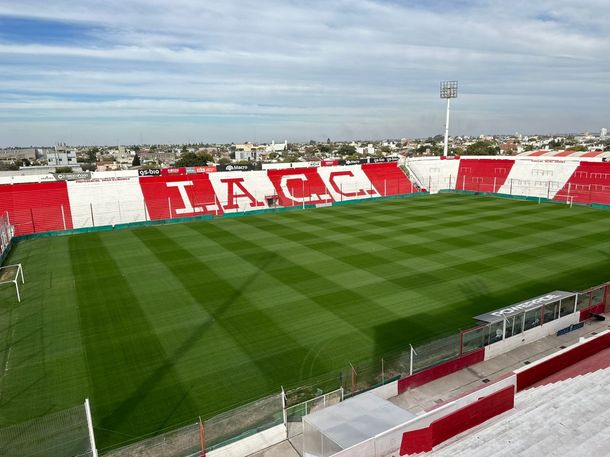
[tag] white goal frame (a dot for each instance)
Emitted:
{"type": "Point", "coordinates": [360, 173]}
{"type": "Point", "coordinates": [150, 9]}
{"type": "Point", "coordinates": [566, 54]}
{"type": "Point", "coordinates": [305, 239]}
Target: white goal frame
{"type": "Point", "coordinates": [15, 279]}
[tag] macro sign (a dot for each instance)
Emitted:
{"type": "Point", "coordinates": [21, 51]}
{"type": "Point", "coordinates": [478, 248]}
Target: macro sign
{"type": "Point", "coordinates": [236, 167]}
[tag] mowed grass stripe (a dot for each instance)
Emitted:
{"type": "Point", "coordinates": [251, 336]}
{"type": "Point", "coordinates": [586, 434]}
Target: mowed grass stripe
{"type": "Point", "coordinates": [294, 294]}
{"type": "Point", "coordinates": [361, 311]}
{"type": "Point", "coordinates": [271, 349]}
{"type": "Point", "coordinates": [133, 386]}
{"type": "Point", "coordinates": [42, 364]}
{"type": "Point", "coordinates": [183, 326]}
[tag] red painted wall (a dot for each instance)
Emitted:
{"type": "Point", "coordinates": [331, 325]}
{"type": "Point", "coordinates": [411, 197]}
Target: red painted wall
{"type": "Point", "coordinates": [586, 313]}
{"type": "Point", "coordinates": [540, 371]}
{"type": "Point", "coordinates": [417, 441]}
{"type": "Point", "coordinates": [187, 196]}
{"type": "Point", "coordinates": [590, 183]}
{"type": "Point", "coordinates": [388, 179]}
{"type": "Point", "coordinates": [292, 185]}
{"type": "Point", "coordinates": [441, 370]}
{"type": "Point", "coordinates": [480, 175]}
{"type": "Point", "coordinates": [458, 421]}
{"type": "Point", "coordinates": [36, 207]}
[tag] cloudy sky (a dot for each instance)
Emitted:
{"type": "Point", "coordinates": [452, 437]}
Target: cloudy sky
{"type": "Point", "coordinates": [131, 71]}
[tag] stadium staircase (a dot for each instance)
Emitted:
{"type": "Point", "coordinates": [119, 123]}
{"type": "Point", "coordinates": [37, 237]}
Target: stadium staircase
{"type": "Point", "coordinates": [410, 174]}
{"type": "Point", "coordinates": [556, 419]}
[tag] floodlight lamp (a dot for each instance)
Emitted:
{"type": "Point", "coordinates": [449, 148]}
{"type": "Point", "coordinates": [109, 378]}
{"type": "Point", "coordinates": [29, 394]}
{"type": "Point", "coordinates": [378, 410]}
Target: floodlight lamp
{"type": "Point", "coordinates": [449, 89]}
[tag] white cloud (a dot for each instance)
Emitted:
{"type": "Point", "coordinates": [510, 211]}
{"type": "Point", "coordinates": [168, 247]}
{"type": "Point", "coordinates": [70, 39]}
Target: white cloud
{"type": "Point", "coordinates": [311, 69]}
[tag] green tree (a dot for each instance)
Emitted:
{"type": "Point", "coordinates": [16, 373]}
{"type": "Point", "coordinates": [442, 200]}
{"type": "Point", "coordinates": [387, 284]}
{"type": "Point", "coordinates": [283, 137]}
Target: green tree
{"type": "Point", "coordinates": [136, 161]}
{"type": "Point", "coordinates": [205, 156]}
{"type": "Point", "coordinates": [92, 155]}
{"type": "Point", "coordinates": [482, 148]}
{"type": "Point", "coordinates": [324, 148]}
{"type": "Point", "coordinates": [291, 158]}
{"type": "Point", "coordinates": [4, 166]}
{"type": "Point", "coordinates": [190, 159]}
{"type": "Point", "coordinates": [63, 170]}
{"type": "Point", "coordinates": [346, 150]}
{"type": "Point", "coordinates": [578, 148]}
{"type": "Point", "coordinates": [224, 161]}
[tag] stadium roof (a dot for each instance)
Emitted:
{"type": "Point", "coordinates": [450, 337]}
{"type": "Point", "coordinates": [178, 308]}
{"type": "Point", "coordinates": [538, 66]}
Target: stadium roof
{"type": "Point", "coordinates": [521, 307]}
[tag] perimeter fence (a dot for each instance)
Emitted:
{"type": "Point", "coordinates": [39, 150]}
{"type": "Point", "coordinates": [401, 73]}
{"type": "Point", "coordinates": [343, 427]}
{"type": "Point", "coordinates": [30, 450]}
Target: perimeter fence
{"type": "Point", "coordinates": [65, 433]}
{"type": "Point", "coordinates": [115, 208]}
{"type": "Point", "coordinates": [586, 193]}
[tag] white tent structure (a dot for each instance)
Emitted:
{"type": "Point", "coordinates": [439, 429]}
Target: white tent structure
{"type": "Point", "coordinates": [353, 421]}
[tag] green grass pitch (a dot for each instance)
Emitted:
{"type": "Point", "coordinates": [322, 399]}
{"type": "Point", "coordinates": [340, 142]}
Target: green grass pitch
{"type": "Point", "coordinates": [158, 325]}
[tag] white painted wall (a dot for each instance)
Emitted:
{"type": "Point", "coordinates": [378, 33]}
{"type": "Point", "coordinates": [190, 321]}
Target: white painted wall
{"type": "Point", "coordinates": [113, 202]}
{"type": "Point", "coordinates": [538, 178]}
{"type": "Point", "coordinates": [357, 183]}
{"type": "Point", "coordinates": [386, 391]}
{"type": "Point", "coordinates": [435, 174]}
{"type": "Point", "coordinates": [257, 184]}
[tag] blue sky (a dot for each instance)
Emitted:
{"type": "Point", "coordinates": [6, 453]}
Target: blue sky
{"type": "Point", "coordinates": [121, 71]}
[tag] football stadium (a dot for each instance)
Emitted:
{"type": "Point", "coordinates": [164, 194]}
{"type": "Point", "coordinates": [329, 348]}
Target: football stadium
{"type": "Point", "coordinates": [187, 311]}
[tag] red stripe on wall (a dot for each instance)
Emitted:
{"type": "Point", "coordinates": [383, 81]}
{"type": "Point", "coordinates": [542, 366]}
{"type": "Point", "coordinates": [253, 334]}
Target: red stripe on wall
{"type": "Point", "coordinates": [458, 421]}
{"type": "Point", "coordinates": [586, 313]}
{"type": "Point", "coordinates": [541, 370]}
{"type": "Point", "coordinates": [441, 370]}
{"type": "Point", "coordinates": [388, 179]}
{"type": "Point", "coordinates": [295, 186]}
{"type": "Point", "coordinates": [169, 197]}
{"type": "Point", "coordinates": [417, 441]}
{"type": "Point", "coordinates": [565, 154]}
{"type": "Point", "coordinates": [36, 207]}
{"type": "Point", "coordinates": [590, 183]}
{"type": "Point", "coordinates": [592, 154]}
{"type": "Point", "coordinates": [483, 175]}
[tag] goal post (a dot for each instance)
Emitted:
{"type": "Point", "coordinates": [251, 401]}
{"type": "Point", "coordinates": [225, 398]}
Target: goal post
{"type": "Point", "coordinates": [566, 198]}
{"type": "Point", "coordinates": [11, 274]}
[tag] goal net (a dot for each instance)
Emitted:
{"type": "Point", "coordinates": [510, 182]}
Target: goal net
{"type": "Point", "coordinates": [7, 231]}
{"type": "Point", "coordinates": [64, 433]}
{"type": "Point", "coordinates": [12, 274]}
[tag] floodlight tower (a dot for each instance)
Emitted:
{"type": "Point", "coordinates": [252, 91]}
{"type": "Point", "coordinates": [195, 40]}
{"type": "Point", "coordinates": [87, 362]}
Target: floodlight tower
{"type": "Point", "coordinates": [449, 90]}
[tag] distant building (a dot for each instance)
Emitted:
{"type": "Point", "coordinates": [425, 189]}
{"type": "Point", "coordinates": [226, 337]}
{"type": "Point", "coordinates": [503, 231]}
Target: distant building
{"type": "Point", "coordinates": [61, 156]}
{"type": "Point", "coordinates": [603, 133]}
{"type": "Point", "coordinates": [244, 155]}
{"type": "Point", "coordinates": [277, 147]}
{"type": "Point", "coordinates": [9, 155]}
{"type": "Point", "coordinates": [367, 150]}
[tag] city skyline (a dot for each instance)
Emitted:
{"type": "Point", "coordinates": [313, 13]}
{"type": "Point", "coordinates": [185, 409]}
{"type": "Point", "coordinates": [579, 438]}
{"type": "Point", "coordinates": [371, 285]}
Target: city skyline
{"type": "Point", "coordinates": [134, 72]}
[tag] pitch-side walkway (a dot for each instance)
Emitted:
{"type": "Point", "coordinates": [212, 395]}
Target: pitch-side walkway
{"type": "Point", "coordinates": [430, 395]}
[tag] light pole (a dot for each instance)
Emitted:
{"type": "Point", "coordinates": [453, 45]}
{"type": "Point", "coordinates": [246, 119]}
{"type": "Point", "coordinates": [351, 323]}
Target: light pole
{"type": "Point", "coordinates": [449, 90]}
